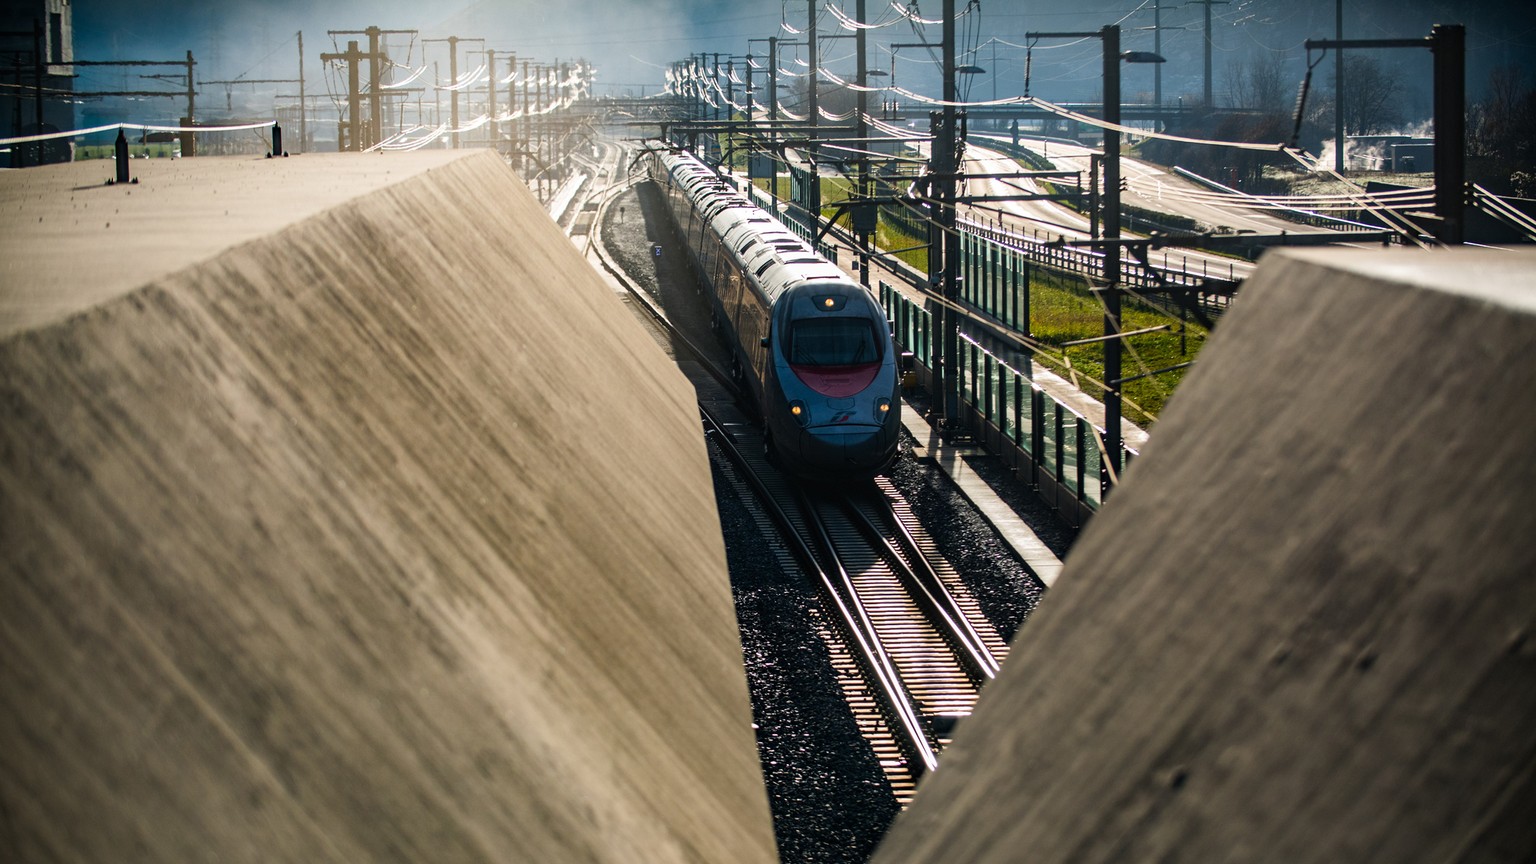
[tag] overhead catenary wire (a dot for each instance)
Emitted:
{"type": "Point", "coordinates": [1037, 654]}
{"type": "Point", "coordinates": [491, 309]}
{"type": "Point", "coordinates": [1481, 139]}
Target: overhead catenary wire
{"type": "Point", "coordinates": [912, 13]}
{"type": "Point", "coordinates": [1034, 346]}
{"type": "Point", "coordinates": [784, 19]}
{"type": "Point", "coordinates": [417, 73]}
{"type": "Point", "coordinates": [1407, 200]}
{"type": "Point", "coordinates": [469, 79]}
{"type": "Point", "coordinates": [841, 82]}
{"type": "Point", "coordinates": [143, 127]}
{"type": "Point", "coordinates": [1500, 209]}
{"type": "Point", "coordinates": [836, 118]}
{"type": "Point", "coordinates": [850, 23]}
{"type": "Point", "coordinates": [1401, 223]}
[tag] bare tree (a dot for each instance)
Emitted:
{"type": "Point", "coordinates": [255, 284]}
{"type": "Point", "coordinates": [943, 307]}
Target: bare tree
{"type": "Point", "coordinates": [1372, 96]}
{"type": "Point", "coordinates": [1504, 124]}
{"type": "Point", "coordinates": [1501, 134]}
{"type": "Point", "coordinates": [1260, 82]}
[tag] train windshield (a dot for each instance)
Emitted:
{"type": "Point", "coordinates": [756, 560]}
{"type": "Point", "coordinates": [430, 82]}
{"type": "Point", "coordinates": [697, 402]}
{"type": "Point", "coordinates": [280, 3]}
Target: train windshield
{"type": "Point", "coordinates": [827, 341]}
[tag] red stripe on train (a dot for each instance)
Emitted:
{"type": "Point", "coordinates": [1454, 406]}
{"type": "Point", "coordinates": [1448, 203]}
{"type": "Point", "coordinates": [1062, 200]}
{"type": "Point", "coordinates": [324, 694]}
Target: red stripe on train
{"type": "Point", "coordinates": [837, 381]}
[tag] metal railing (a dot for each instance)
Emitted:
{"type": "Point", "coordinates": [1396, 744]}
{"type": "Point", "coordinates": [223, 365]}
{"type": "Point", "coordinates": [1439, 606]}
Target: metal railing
{"type": "Point", "coordinates": [1050, 445]}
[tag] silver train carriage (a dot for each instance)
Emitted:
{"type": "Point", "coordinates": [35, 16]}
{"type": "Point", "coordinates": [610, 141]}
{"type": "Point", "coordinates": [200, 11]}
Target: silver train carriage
{"type": "Point", "coordinates": [813, 346]}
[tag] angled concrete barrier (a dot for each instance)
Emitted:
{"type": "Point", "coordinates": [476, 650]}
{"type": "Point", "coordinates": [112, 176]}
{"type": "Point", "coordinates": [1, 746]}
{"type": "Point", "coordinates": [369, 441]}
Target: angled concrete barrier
{"type": "Point", "coordinates": [345, 515]}
{"type": "Point", "coordinates": [1304, 630]}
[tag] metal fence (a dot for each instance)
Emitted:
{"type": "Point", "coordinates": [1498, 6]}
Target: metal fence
{"type": "Point", "coordinates": [1053, 447]}
{"type": "Point", "coordinates": [1176, 269]}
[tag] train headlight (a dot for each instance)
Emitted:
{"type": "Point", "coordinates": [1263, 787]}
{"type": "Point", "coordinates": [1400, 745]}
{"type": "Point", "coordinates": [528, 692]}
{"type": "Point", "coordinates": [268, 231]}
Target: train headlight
{"type": "Point", "coordinates": [801, 414]}
{"type": "Point", "coordinates": [882, 409]}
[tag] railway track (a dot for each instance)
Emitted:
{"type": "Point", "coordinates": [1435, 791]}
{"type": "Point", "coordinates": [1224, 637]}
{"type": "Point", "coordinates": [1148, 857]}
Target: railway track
{"type": "Point", "coordinates": [908, 644]}
{"type": "Point", "coordinates": [901, 629]}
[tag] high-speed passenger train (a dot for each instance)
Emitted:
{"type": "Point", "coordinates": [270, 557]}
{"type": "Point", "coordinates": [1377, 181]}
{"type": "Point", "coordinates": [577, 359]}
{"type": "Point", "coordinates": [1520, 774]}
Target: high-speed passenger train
{"type": "Point", "coordinates": [813, 346]}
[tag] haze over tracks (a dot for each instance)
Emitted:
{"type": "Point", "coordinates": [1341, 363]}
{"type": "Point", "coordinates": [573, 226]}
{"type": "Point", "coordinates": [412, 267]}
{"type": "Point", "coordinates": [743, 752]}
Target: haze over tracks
{"type": "Point", "coordinates": [323, 540]}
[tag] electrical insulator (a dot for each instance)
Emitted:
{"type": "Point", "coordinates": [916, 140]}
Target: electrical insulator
{"type": "Point", "coordinates": [1301, 106]}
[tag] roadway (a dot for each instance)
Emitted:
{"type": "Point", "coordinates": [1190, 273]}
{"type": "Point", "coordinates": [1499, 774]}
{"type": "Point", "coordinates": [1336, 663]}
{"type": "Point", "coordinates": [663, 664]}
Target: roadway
{"type": "Point", "coordinates": [1153, 187]}
{"type": "Point", "coordinates": [1048, 220]}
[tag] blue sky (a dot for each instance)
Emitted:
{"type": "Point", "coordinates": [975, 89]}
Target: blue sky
{"type": "Point", "coordinates": [632, 40]}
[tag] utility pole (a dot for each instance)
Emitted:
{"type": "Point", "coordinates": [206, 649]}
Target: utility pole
{"type": "Point", "coordinates": [1448, 43]}
{"type": "Point", "coordinates": [947, 243]}
{"type": "Point", "coordinates": [810, 41]}
{"type": "Point", "coordinates": [1338, 88]}
{"type": "Point", "coordinates": [303, 107]}
{"type": "Point", "coordinates": [453, 76]}
{"type": "Point", "coordinates": [540, 129]}
{"type": "Point", "coordinates": [697, 79]}
{"type": "Point", "coordinates": [376, 59]}
{"type": "Point", "coordinates": [189, 139]}
{"type": "Point", "coordinates": [560, 140]}
{"type": "Point", "coordinates": [1209, 42]}
{"type": "Point", "coordinates": [773, 113]}
{"type": "Point", "coordinates": [352, 133]}
{"type": "Point", "coordinates": [375, 124]}
{"type": "Point", "coordinates": [1110, 36]}
{"type": "Point", "coordinates": [39, 65]}
{"type": "Point", "coordinates": [714, 113]}
{"type": "Point", "coordinates": [730, 93]}
{"type": "Point", "coordinates": [773, 80]}
{"type": "Point", "coordinates": [1095, 162]}
{"type": "Point", "coordinates": [354, 99]}
{"type": "Point", "coordinates": [527, 123]}
{"type": "Point", "coordinates": [512, 84]}
{"type": "Point", "coordinates": [751, 93]}
{"type": "Point", "coordinates": [1157, 48]}
{"type": "Point", "coordinates": [490, 83]}
{"type": "Point", "coordinates": [511, 90]}
{"type": "Point", "coordinates": [863, 223]}
{"type": "Point", "coordinates": [1112, 375]}
{"type": "Point", "coordinates": [543, 96]}
{"type": "Point", "coordinates": [813, 184]}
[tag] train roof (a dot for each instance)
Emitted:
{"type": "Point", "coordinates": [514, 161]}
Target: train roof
{"type": "Point", "coordinates": [773, 258]}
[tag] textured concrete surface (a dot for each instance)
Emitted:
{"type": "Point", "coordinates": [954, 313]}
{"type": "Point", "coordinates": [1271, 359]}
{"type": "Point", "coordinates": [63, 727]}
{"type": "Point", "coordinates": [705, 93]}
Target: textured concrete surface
{"type": "Point", "coordinates": [1304, 630]}
{"type": "Point", "coordinates": [321, 538]}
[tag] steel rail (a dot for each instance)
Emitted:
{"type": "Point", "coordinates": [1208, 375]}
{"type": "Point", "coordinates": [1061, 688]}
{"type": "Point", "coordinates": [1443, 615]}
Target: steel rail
{"type": "Point", "coordinates": [928, 590]}
{"type": "Point", "coordinates": [850, 613]}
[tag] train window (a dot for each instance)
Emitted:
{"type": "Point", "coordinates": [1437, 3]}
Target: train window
{"type": "Point", "coordinates": [841, 341]}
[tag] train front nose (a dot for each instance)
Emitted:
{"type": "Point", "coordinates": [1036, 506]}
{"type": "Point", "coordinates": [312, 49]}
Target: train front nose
{"type": "Point", "coordinates": [848, 447]}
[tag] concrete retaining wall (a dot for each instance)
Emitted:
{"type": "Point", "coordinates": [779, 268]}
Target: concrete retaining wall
{"type": "Point", "coordinates": [1304, 629]}
{"type": "Point", "coordinates": [372, 529]}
